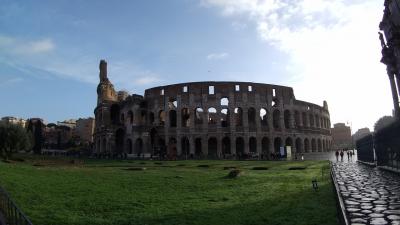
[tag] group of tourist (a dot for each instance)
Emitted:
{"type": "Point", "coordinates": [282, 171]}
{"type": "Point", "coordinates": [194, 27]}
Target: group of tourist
{"type": "Point", "coordinates": [341, 154]}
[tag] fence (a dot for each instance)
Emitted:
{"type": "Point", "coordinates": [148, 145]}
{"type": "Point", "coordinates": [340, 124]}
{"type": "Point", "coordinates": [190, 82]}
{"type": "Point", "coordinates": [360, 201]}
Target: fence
{"type": "Point", "coordinates": [365, 149]}
{"type": "Point", "coordinates": [13, 215]}
{"type": "Point", "coordinates": [387, 146]}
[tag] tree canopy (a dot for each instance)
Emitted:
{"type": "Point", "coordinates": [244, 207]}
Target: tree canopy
{"type": "Point", "coordinates": [13, 138]}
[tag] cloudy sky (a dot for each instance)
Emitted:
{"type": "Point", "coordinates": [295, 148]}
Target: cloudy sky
{"type": "Point", "coordinates": [324, 49]}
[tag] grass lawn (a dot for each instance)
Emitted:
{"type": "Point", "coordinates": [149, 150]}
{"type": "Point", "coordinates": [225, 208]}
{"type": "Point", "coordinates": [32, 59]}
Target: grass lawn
{"type": "Point", "coordinates": [174, 192]}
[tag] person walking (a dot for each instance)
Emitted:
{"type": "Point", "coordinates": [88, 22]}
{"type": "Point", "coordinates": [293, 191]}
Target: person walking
{"type": "Point", "coordinates": [337, 155]}
{"type": "Point", "coordinates": [341, 155]}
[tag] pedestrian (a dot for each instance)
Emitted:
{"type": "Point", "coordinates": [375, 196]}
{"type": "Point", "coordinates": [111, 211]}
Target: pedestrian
{"type": "Point", "coordinates": [302, 157]}
{"type": "Point", "coordinates": [341, 155]}
{"type": "Point", "coordinates": [337, 155]}
{"type": "Point", "coordinates": [348, 156]}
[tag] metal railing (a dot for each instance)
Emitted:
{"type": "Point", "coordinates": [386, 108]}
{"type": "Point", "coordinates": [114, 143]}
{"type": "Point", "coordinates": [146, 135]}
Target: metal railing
{"type": "Point", "coordinates": [13, 215]}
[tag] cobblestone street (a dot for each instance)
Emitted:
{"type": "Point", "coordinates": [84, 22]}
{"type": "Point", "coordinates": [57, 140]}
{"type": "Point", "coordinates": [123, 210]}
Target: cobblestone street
{"type": "Point", "coordinates": [370, 195]}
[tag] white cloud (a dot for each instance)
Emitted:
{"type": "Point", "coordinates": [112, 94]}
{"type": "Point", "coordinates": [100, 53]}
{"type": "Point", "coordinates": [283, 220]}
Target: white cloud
{"type": "Point", "coordinates": [11, 81]}
{"type": "Point", "coordinates": [147, 80]}
{"type": "Point", "coordinates": [217, 56]}
{"type": "Point", "coordinates": [333, 51]}
{"type": "Point", "coordinates": [15, 46]}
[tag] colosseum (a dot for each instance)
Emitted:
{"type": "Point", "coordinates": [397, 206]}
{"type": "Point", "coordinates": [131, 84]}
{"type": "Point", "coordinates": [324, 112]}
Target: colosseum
{"type": "Point", "coordinates": [218, 120]}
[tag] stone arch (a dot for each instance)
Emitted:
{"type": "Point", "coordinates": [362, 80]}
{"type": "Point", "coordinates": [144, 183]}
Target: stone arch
{"type": "Point", "coordinates": [306, 145]}
{"type": "Point", "coordinates": [212, 116]}
{"type": "Point", "coordinates": [143, 117]}
{"type": "Point", "coordinates": [311, 120]}
{"type": "Point", "coordinates": [251, 115]}
{"type": "Point", "coordinates": [119, 140]}
{"type": "Point", "coordinates": [317, 121]}
{"type": "Point", "coordinates": [264, 117]}
{"type": "Point", "coordinates": [239, 146]}
{"type": "Point", "coordinates": [276, 119]}
{"type": "Point", "coordinates": [185, 146]}
{"type": "Point", "coordinates": [238, 116]}
{"type": "Point", "coordinates": [138, 149]}
{"type": "Point", "coordinates": [225, 118]}
{"type": "Point", "coordinates": [172, 148]}
{"type": "Point", "coordinates": [299, 145]}
{"type": "Point", "coordinates": [252, 145]}
{"type": "Point", "coordinates": [226, 145]}
{"type": "Point", "coordinates": [185, 116]}
{"type": "Point", "coordinates": [104, 145]}
{"type": "Point", "coordinates": [172, 118]}
{"type": "Point", "coordinates": [198, 147]}
{"type": "Point", "coordinates": [161, 116]}
{"type": "Point", "coordinates": [265, 146]}
{"type": "Point", "coordinates": [286, 118]}
{"type": "Point", "coordinates": [288, 142]}
{"type": "Point", "coordinates": [277, 144]}
{"type": "Point", "coordinates": [304, 117]}
{"type": "Point", "coordinates": [319, 145]}
{"type": "Point", "coordinates": [129, 146]}
{"type": "Point", "coordinates": [199, 112]}
{"type": "Point", "coordinates": [114, 113]}
{"type": "Point", "coordinates": [122, 118]}
{"type": "Point", "coordinates": [313, 145]}
{"type": "Point", "coordinates": [212, 147]}
{"type": "Point", "coordinates": [296, 118]}
{"type": "Point", "coordinates": [224, 101]}
{"type": "Point", "coordinates": [151, 118]}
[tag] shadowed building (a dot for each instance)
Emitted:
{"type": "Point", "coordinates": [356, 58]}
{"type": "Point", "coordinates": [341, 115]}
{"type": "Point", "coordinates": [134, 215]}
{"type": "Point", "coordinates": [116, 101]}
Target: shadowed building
{"type": "Point", "coordinates": [207, 120]}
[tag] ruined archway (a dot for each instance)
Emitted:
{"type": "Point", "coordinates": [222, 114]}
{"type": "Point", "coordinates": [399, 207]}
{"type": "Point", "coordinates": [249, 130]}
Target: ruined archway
{"type": "Point", "coordinates": [226, 146]}
{"type": "Point", "coordinates": [276, 119]}
{"type": "Point", "coordinates": [212, 148]}
{"type": "Point", "coordinates": [239, 146]}
{"type": "Point", "coordinates": [299, 145]}
{"type": "Point", "coordinates": [252, 145]}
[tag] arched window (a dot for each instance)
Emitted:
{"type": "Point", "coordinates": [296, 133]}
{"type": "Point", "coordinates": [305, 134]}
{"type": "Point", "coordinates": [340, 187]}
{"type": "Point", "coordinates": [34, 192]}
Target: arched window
{"type": "Point", "coordinates": [253, 144]}
{"type": "Point", "coordinates": [161, 116]}
{"type": "Point", "coordinates": [185, 114]}
{"type": "Point", "coordinates": [224, 101]}
{"type": "Point", "coordinates": [225, 117]}
{"type": "Point", "coordinates": [239, 116]}
{"type": "Point", "coordinates": [287, 116]}
{"type": "Point", "coordinates": [276, 119]}
{"type": "Point", "coordinates": [251, 116]}
{"type": "Point", "coordinates": [226, 145]}
{"type": "Point", "coordinates": [130, 117]}
{"type": "Point", "coordinates": [264, 117]}
{"type": "Point", "coordinates": [172, 118]}
{"type": "Point", "coordinates": [212, 116]}
{"type": "Point", "coordinates": [198, 116]}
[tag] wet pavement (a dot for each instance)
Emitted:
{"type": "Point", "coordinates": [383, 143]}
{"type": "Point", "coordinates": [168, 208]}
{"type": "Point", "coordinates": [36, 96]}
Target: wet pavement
{"type": "Point", "coordinates": [370, 195]}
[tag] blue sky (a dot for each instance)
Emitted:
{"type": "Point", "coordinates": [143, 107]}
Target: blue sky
{"type": "Point", "coordinates": [50, 50]}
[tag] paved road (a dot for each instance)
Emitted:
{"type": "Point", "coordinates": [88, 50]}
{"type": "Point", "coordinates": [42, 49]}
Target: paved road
{"type": "Point", "coordinates": [370, 196]}
{"type": "Point", "coordinates": [328, 156]}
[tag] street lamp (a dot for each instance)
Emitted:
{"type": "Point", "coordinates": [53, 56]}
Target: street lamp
{"type": "Point", "coordinates": [315, 184]}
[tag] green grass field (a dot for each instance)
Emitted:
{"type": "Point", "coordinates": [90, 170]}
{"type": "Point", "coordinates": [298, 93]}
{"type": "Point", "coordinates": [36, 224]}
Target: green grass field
{"type": "Point", "coordinates": [175, 192]}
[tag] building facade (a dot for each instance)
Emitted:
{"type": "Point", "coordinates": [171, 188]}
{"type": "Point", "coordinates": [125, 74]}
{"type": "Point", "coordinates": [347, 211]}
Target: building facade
{"type": "Point", "coordinates": [341, 136]}
{"type": "Point", "coordinates": [207, 120]}
{"type": "Point", "coordinates": [14, 121]}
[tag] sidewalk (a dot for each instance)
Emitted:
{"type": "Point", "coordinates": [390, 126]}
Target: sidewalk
{"type": "Point", "coordinates": [370, 195]}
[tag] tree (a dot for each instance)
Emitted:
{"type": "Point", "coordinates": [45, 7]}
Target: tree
{"type": "Point", "coordinates": [35, 126]}
{"type": "Point", "coordinates": [13, 138]}
{"type": "Point", "coordinates": [383, 122]}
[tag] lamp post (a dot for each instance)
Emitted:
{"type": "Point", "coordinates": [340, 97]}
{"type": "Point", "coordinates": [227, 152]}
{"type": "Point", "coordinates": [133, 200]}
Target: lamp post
{"type": "Point", "coordinates": [314, 184]}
